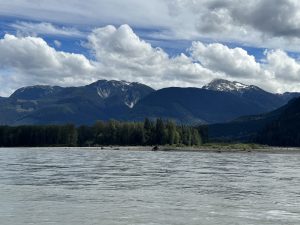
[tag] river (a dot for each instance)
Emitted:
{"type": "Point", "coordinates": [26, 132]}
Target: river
{"type": "Point", "coordinates": [77, 186]}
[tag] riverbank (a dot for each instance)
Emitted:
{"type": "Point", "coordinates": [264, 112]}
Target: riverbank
{"type": "Point", "coordinates": [214, 148]}
{"type": "Point", "coordinates": [266, 149]}
{"type": "Point", "coordinates": [217, 148]}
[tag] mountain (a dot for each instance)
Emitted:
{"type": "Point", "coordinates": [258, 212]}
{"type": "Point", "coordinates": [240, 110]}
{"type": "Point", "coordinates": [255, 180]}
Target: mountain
{"type": "Point", "coordinates": [265, 100]}
{"type": "Point", "coordinates": [120, 92]}
{"type": "Point", "coordinates": [217, 102]}
{"type": "Point", "coordinates": [289, 95]}
{"type": "Point", "coordinates": [101, 100]}
{"type": "Point", "coordinates": [280, 127]}
{"type": "Point", "coordinates": [35, 92]}
{"type": "Point", "coordinates": [229, 86]}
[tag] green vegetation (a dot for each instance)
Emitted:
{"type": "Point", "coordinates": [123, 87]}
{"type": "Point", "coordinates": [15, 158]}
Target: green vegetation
{"type": "Point", "coordinates": [282, 132]}
{"type": "Point", "coordinates": [233, 146]}
{"type": "Point", "coordinates": [102, 133]}
{"type": "Point", "coordinates": [135, 133]}
{"type": "Point", "coordinates": [65, 135]}
{"type": "Point", "coordinates": [280, 127]}
{"type": "Point", "coordinates": [285, 129]}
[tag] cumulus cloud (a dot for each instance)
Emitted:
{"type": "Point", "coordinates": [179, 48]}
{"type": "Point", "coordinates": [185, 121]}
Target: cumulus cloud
{"type": "Point", "coordinates": [235, 62]}
{"type": "Point", "coordinates": [123, 54]}
{"type": "Point", "coordinates": [118, 53]}
{"type": "Point", "coordinates": [284, 69]}
{"type": "Point", "coordinates": [30, 60]}
{"type": "Point", "coordinates": [278, 72]}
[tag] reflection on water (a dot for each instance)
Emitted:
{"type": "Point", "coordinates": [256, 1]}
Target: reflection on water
{"type": "Point", "coordinates": [84, 186]}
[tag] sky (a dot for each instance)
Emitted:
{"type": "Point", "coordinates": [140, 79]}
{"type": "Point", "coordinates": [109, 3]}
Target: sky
{"type": "Point", "coordinates": [161, 43]}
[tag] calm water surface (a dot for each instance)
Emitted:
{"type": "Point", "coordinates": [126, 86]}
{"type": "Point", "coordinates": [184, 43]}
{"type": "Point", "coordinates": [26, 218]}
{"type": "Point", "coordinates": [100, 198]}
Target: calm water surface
{"type": "Point", "coordinates": [89, 187]}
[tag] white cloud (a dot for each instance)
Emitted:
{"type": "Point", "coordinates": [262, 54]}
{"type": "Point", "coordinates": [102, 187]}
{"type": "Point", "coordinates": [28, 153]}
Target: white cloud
{"type": "Point", "coordinates": [235, 62]}
{"type": "Point", "coordinates": [284, 69]}
{"type": "Point", "coordinates": [112, 44]}
{"type": "Point", "coordinates": [277, 72]}
{"type": "Point", "coordinates": [120, 54]}
{"type": "Point", "coordinates": [123, 54]}
{"type": "Point", "coordinates": [30, 60]}
{"type": "Point", "coordinates": [283, 66]}
{"type": "Point", "coordinates": [26, 28]}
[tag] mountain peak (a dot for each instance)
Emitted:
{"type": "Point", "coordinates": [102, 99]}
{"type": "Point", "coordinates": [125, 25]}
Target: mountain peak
{"type": "Point", "coordinates": [129, 92]}
{"type": "Point", "coordinates": [115, 83]}
{"type": "Point", "coordinates": [227, 86]}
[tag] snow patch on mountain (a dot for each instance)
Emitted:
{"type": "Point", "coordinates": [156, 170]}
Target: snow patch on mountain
{"type": "Point", "coordinates": [127, 92]}
{"type": "Point", "coordinates": [227, 86]}
{"type": "Point", "coordinates": [103, 93]}
{"type": "Point", "coordinates": [130, 104]}
{"type": "Point", "coordinates": [132, 99]}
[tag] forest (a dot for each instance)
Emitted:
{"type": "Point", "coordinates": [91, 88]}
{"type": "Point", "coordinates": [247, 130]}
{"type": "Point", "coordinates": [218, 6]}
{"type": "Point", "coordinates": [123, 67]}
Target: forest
{"type": "Point", "coordinates": [283, 132]}
{"type": "Point", "coordinates": [102, 133]}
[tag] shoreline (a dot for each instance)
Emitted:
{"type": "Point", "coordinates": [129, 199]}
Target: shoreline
{"type": "Point", "coordinates": [268, 149]}
{"type": "Point", "coordinates": [207, 149]}
{"type": "Point", "coordinates": [213, 148]}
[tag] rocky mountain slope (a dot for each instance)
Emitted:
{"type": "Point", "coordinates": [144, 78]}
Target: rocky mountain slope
{"type": "Point", "coordinates": [101, 100]}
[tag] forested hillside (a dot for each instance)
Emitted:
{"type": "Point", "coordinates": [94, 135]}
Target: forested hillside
{"type": "Point", "coordinates": [280, 127]}
{"type": "Point", "coordinates": [284, 131]}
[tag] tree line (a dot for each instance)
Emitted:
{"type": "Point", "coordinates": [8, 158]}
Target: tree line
{"type": "Point", "coordinates": [102, 133]}
{"type": "Point", "coordinates": [281, 133]}
{"type": "Point", "coordinates": [38, 136]}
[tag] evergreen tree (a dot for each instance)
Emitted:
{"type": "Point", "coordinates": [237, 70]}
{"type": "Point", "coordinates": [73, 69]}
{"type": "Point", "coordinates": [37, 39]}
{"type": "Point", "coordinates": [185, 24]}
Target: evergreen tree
{"type": "Point", "coordinates": [160, 132]}
{"type": "Point", "coordinates": [149, 131]}
{"type": "Point", "coordinates": [196, 138]}
{"type": "Point", "coordinates": [171, 132]}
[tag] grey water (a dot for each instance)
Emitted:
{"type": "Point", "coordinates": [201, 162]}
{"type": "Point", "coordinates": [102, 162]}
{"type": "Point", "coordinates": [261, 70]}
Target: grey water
{"type": "Point", "coordinates": [88, 187]}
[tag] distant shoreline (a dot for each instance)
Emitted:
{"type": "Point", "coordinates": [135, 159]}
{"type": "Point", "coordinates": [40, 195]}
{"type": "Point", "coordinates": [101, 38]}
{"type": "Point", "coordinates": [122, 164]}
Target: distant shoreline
{"type": "Point", "coordinates": [265, 149]}
{"type": "Point", "coordinates": [268, 149]}
{"type": "Point", "coordinates": [214, 149]}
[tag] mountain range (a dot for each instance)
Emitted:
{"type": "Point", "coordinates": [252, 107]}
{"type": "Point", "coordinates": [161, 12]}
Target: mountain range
{"type": "Point", "coordinates": [101, 100]}
{"type": "Point", "coordinates": [217, 102]}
